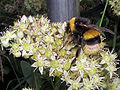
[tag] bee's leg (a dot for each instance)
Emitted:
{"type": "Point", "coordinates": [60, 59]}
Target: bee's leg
{"type": "Point", "coordinates": [74, 60]}
{"type": "Point", "coordinates": [69, 38]}
{"type": "Point", "coordinates": [78, 52]}
{"type": "Point", "coordinates": [77, 55]}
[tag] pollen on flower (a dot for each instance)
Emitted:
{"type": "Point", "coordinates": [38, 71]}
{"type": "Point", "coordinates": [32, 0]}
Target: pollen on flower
{"type": "Point", "coordinates": [111, 68]}
{"type": "Point", "coordinates": [24, 19]}
{"type": "Point", "coordinates": [82, 57]}
{"type": "Point", "coordinates": [8, 34]}
{"type": "Point", "coordinates": [54, 64]}
{"type": "Point", "coordinates": [88, 86]}
{"type": "Point", "coordinates": [20, 34]}
{"type": "Point", "coordinates": [57, 73]}
{"type": "Point", "coordinates": [48, 39]}
{"type": "Point", "coordinates": [106, 58]}
{"type": "Point", "coordinates": [75, 84]}
{"type": "Point", "coordinates": [40, 63]}
{"type": "Point", "coordinates": [17, 53]}
{"type": "Point", "coordinates": [62, 52]}
{"type": "Point", "coordinates": [5, 43]}
{"type": "Point", "coordinates": [23, 27]}
{"type": "Point", "coordinates": [48, 53]}
{"type": "Point", "coordinates": [26, 46]}
{"type": "Point", "coordinates": [30, 19]}
{"type": "Point", "coordinates": [113, 56]}
{"type": "Point", "coordinates": [92, 71]}
{"type": "Point", "coordinates": [80, 65]}
{"type": "Point", "coordinates": [15, 46]}
{"type": "Point", "coordinates": [58, 42]}
{"type": "Point", "coordinates": [66, 65]}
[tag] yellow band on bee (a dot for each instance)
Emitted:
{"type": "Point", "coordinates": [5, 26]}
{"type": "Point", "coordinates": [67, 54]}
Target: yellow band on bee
{"type": "Point", "coordinates": [91, 34]}
{"type": "Point", "coordinates": [72, 24]}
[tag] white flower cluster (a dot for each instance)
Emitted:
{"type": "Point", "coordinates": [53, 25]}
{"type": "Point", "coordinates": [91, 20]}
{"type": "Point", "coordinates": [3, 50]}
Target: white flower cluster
{"type": "Point", "coordinates": [115, 5]}
{"type": "Point", "coordinates": [38, 39]}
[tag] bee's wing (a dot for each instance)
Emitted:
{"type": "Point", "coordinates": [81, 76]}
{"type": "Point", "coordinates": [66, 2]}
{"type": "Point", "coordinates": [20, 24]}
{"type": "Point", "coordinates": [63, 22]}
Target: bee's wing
{"type": "Point", "coordinates": [91, 26]}
{"type": "Point", "coordinates": [100, 29]}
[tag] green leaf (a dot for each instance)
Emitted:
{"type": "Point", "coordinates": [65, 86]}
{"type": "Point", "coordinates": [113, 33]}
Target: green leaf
{"type": "Point", "coordinates": [28, 71]}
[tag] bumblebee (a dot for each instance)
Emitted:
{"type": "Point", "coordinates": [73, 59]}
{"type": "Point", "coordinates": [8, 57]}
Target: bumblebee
{"type": "Point", "coordinates": [89, 36]}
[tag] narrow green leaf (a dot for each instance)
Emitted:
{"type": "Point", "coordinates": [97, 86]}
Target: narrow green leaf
{"type": "Point", "coordinates": [27, 70]}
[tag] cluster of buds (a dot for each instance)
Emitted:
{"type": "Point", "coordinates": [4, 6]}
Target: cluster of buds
{"type": "Point", "coordinates": [115, 5]}
{"type": "Point", "coordinates": [40, 40]}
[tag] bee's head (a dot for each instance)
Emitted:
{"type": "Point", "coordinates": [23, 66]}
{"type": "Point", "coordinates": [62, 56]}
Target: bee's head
{"type": "Point", "coordinates": [75, 22]}
{"type": "Point", "coordinates": [81, 20]}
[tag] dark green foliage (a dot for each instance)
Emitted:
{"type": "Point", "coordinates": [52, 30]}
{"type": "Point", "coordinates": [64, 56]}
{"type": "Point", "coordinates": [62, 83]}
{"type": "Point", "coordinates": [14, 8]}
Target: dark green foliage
{"type": "Point", "coordinates": [28, 73]}
{"type": "Point", "coordinates": [11, 10]}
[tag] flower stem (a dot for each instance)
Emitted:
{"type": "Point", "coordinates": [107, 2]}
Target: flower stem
{"type": "Point", "coordinates": [103, 13]}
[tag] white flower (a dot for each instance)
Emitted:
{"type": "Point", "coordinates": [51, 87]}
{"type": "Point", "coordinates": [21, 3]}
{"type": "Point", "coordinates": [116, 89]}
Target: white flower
{"type": "Point", "coordinates": [20, 34]}
{"type": "Point", "coordinates": [24, 19]}
{"type": "Point", "coordinates": [25, 54]}
{"type": "Point", "coordinates": [17, 54]}
{"type": "Point", "coordinates": [5, 43]}
{"type": "Point", "coordinates": [30, 18]}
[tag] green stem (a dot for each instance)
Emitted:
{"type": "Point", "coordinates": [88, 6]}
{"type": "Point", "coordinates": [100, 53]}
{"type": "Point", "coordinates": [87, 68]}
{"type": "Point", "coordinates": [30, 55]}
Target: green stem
{"type": "Point", "coordinates": [36, 81]}
{"type": "Point", "coordinates": [103, 13]}
{"type": "Point", "coordinates": [51, 81]}
{"type": "Point", "coordinates": [115, 31]}
{"type": "Point", "coordinates": [57, 84]}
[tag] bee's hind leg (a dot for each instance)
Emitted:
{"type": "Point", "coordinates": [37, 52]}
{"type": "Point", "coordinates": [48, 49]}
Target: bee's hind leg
{"type": "Point", "coordinates": [77, 55]}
